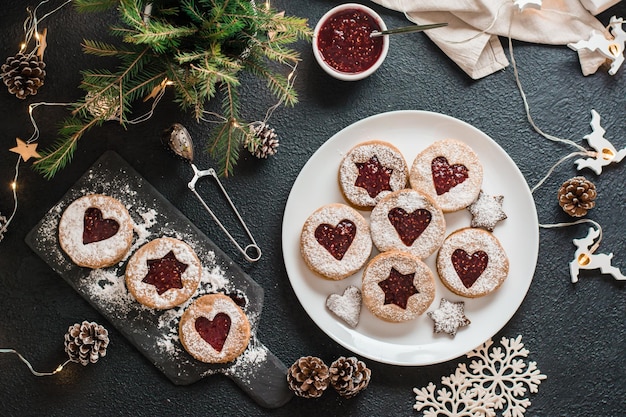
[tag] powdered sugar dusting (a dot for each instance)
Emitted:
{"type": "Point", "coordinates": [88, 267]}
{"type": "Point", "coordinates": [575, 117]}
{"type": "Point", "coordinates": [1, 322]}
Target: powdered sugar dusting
{"type": "Point", "coordinates": [456, 152]}
{"type": "Point", "coordinates": [472, 240]}
{"type": "Point", "coordinates": [153, 332]}
{"type": "Point", "coordinates": [385, 235]}
{"type": "Point", "coordinates": [319, 259]}
{"type": "Point", "coordinates": [379, 268]}
{"type": "Point", "coordinates": [388, 156]}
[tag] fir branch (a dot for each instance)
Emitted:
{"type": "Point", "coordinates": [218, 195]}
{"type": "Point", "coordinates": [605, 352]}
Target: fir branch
{"type": "Point", "coordinates": [276, 83]}
{"type": "Point", "coordinates": [62, 152]}
{"type": "Point", "coordinates": [84, 6]}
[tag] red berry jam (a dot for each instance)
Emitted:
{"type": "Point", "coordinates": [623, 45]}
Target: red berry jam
{"type": "Point", "coordinates": [95, 228]}
{"type": "Point", "coordinates": [409, 225]}
{"type": "Point", "coordinates": [373, 177]}
{"type": "Point", "coordinates": [336, 239]}
{"type": "Point", "coordinates": [344, 41]}
{"type": "Point", "coordinates": [214, 332]}
{"type": "Point", "coordinates": [469, 267]}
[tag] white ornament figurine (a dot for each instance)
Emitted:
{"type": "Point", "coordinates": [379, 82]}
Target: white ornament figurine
{"type": "Point", "coordinates": [612, 49]}
{"type": "Point", "coordinates": [605, 152]}
{"type": "Point", "coordinates": [586, 259]}
{"type": "Point", "coordinates": [531, 4]}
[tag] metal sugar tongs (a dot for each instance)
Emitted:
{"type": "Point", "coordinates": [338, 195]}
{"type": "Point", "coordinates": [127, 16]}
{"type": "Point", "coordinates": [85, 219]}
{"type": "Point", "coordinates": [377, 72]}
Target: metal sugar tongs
{"type": "Point", "coordinates": [178, 139]}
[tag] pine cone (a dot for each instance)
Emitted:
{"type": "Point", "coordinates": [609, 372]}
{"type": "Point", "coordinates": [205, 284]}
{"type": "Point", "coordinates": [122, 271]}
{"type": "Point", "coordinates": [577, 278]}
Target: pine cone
{"type": "Point", "coordinates": [263, 142]}
{"type": "Point", "coordinates": [23, 74]}
{"type": "Point", "coordinates": [308, 377]}
{"type": "Point", "coordinates": [3, 226]}
{"type": "Point", "coordinates": [349, 376]}
{"type": "Point", "coordinates": [576, 196]}
{"type": "Point", "coordinates": [86, 342]}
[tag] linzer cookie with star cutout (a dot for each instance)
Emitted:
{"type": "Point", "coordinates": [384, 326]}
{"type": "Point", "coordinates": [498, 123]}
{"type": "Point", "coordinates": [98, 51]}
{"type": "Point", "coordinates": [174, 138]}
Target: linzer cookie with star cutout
{"type": "Point", "coordinates": [397, 286]}
{"type": "Point", "coordinates": [472, 262]}
{"type": "Point", "coordinates": [408, 220]}
{"type": "Point", "coordinates": [214, 329]}
{"type": "Point", "coordinates": [335, 241]}
{"type": "Point", "coordinates": [370, 171]}
{"type": "Point", "coordinates": [96, 231]}
{"type": "Point", "coordinates": [163, 273]}
{"type": "Point", "coordinates": [450, 172]}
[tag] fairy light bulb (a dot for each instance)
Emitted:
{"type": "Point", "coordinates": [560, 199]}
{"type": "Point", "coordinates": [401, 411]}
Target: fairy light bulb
{"type": "Point", "coordinates": [14, 185]}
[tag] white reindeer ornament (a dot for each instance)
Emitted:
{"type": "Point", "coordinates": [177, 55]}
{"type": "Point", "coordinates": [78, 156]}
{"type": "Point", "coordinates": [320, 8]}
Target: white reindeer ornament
{"type": "Point", "coordinates": [605, 153]}
{"type": "Point", "coordinates": [584, 258]}
{"type": "Point", "coordinates": [612, 49]}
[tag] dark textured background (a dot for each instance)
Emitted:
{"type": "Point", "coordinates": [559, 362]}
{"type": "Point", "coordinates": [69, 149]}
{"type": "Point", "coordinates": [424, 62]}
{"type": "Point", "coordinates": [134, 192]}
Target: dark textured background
{"type": "Point", "coordinates": [575, 333]}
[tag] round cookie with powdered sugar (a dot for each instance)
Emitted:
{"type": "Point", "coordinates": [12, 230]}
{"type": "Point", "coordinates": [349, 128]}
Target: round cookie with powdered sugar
{"type": "Point", "coordinates": [397, 286]}
{"type": "Point", "coordinates": [450, 172]}
{"type": "Point", "coordinates": [214, 329]}
{"type": "Point", "coordinates": [335, 241]}
{"type": "Point", "coordinates": [96, 231]}
{"type": "Point", "coordinates": [370, 171]}
{"type": "Point", "coordinates": [410, 221]}
{"type": "Point", "coordinates": [163, 273]}
{"type": "Point", "coordinates": [472, 263]}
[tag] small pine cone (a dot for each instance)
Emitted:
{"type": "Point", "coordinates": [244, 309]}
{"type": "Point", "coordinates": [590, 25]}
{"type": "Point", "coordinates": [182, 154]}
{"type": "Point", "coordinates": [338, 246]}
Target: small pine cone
{"type": "Point", "coordinates": [349, 376]}
{"type": "Point", "coordinates": [262, 142]}
{"type": "Point", "coordinates": [3, 226]}
{"type": "Point", "coordinates": [23, 74]}
{"type": "Point", "coordinates": [576, 196]}
{"type": "Point", "coordinates": [85, 343]}
{"type": "Point", "coordinates": [308, 377]}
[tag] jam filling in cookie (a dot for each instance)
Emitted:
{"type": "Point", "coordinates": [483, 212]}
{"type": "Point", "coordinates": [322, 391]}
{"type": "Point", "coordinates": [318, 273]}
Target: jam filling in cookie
{"type": "Point", "coordinates": [446, 176]}
{"type": "Point", "coordinates": [469, 267]}
{"type": "Point", "coordinates": [409, 225]}
{"type": "Point", "coordinates": [214, 332]}
{"type": "Point", "coordinates": [165, 273]}
{"type": "Point", "coordinates": [398, 288]}
{"type": "Point", "coordinates": [336, 239]}
{"type": "Point", "coordinates": [373, 177]}
{"type": "Point", "coordinates": [370, 171]}
{"type": "Point", "coordinates": [95, 228]}
{"type": "Point", "coordinates": [96, 231]}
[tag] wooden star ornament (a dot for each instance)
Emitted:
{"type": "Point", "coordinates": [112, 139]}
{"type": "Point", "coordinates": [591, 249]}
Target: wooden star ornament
{"type": "Point", "coordinates": [25, 150]}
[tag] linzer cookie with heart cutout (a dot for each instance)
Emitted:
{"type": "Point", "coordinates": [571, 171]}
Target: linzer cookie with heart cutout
{"type": "Point", "coordinates": [450, 172]}
{"type": "Point", "coordinates": [472, 262]}
{"type": "Point", "coordinates": [96, 231]}
{"type": "Point", "coordinates": [335, 241]}
{"type": "Point", "coordinates": [410, 221]}
{"type": "Point", "coordinates": [214, 329]}
{"type": "Point", "coordinates": [163, 273]}
{"type": "Point", "coordinates": [370, 171]}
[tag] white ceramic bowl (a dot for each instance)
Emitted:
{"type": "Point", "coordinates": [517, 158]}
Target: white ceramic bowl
{"type": "Point", "coordinates": [342, 75]}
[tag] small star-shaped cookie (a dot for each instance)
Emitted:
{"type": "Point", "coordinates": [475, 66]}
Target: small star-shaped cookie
{"type": "Point", "coordinates": [398, 288]}
{"type": "Point", "coordinates": [25, 150]}
{"type": "Point", "coordinates": [449, 317]}
{"type": "Point", "coordinates": [487, 211]}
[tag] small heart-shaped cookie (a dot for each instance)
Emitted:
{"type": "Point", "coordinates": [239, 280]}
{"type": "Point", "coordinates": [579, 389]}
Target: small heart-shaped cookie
{"type": "Point", "coordinates": [347, 306]}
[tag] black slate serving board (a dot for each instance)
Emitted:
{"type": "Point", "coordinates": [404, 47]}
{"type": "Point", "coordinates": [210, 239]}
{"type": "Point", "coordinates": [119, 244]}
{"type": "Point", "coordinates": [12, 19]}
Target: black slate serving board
{"type": "Point", "coordinates": [155, 333]}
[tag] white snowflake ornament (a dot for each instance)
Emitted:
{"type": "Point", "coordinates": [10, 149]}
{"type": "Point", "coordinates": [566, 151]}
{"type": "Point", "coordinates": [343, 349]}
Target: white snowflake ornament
{"type": "Point", "coordinates": [498, 379]}
{"type": "Point", "coordinates": [605, 153]}
{"type": "Point", "coordinates": [612, 49]}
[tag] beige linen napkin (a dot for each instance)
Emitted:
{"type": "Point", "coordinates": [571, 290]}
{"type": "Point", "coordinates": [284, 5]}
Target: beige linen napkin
{"type": "Point", "coordinates": [471, 37]}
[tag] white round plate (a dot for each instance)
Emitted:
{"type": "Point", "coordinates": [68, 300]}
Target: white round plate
{"type": "Point", "coordinates": [414, 343]}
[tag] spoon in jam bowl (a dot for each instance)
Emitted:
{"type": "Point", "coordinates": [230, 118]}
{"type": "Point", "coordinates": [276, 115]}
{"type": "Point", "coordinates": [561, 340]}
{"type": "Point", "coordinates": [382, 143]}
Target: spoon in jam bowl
{"type": "Point", "coordinates": [406, 29]}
